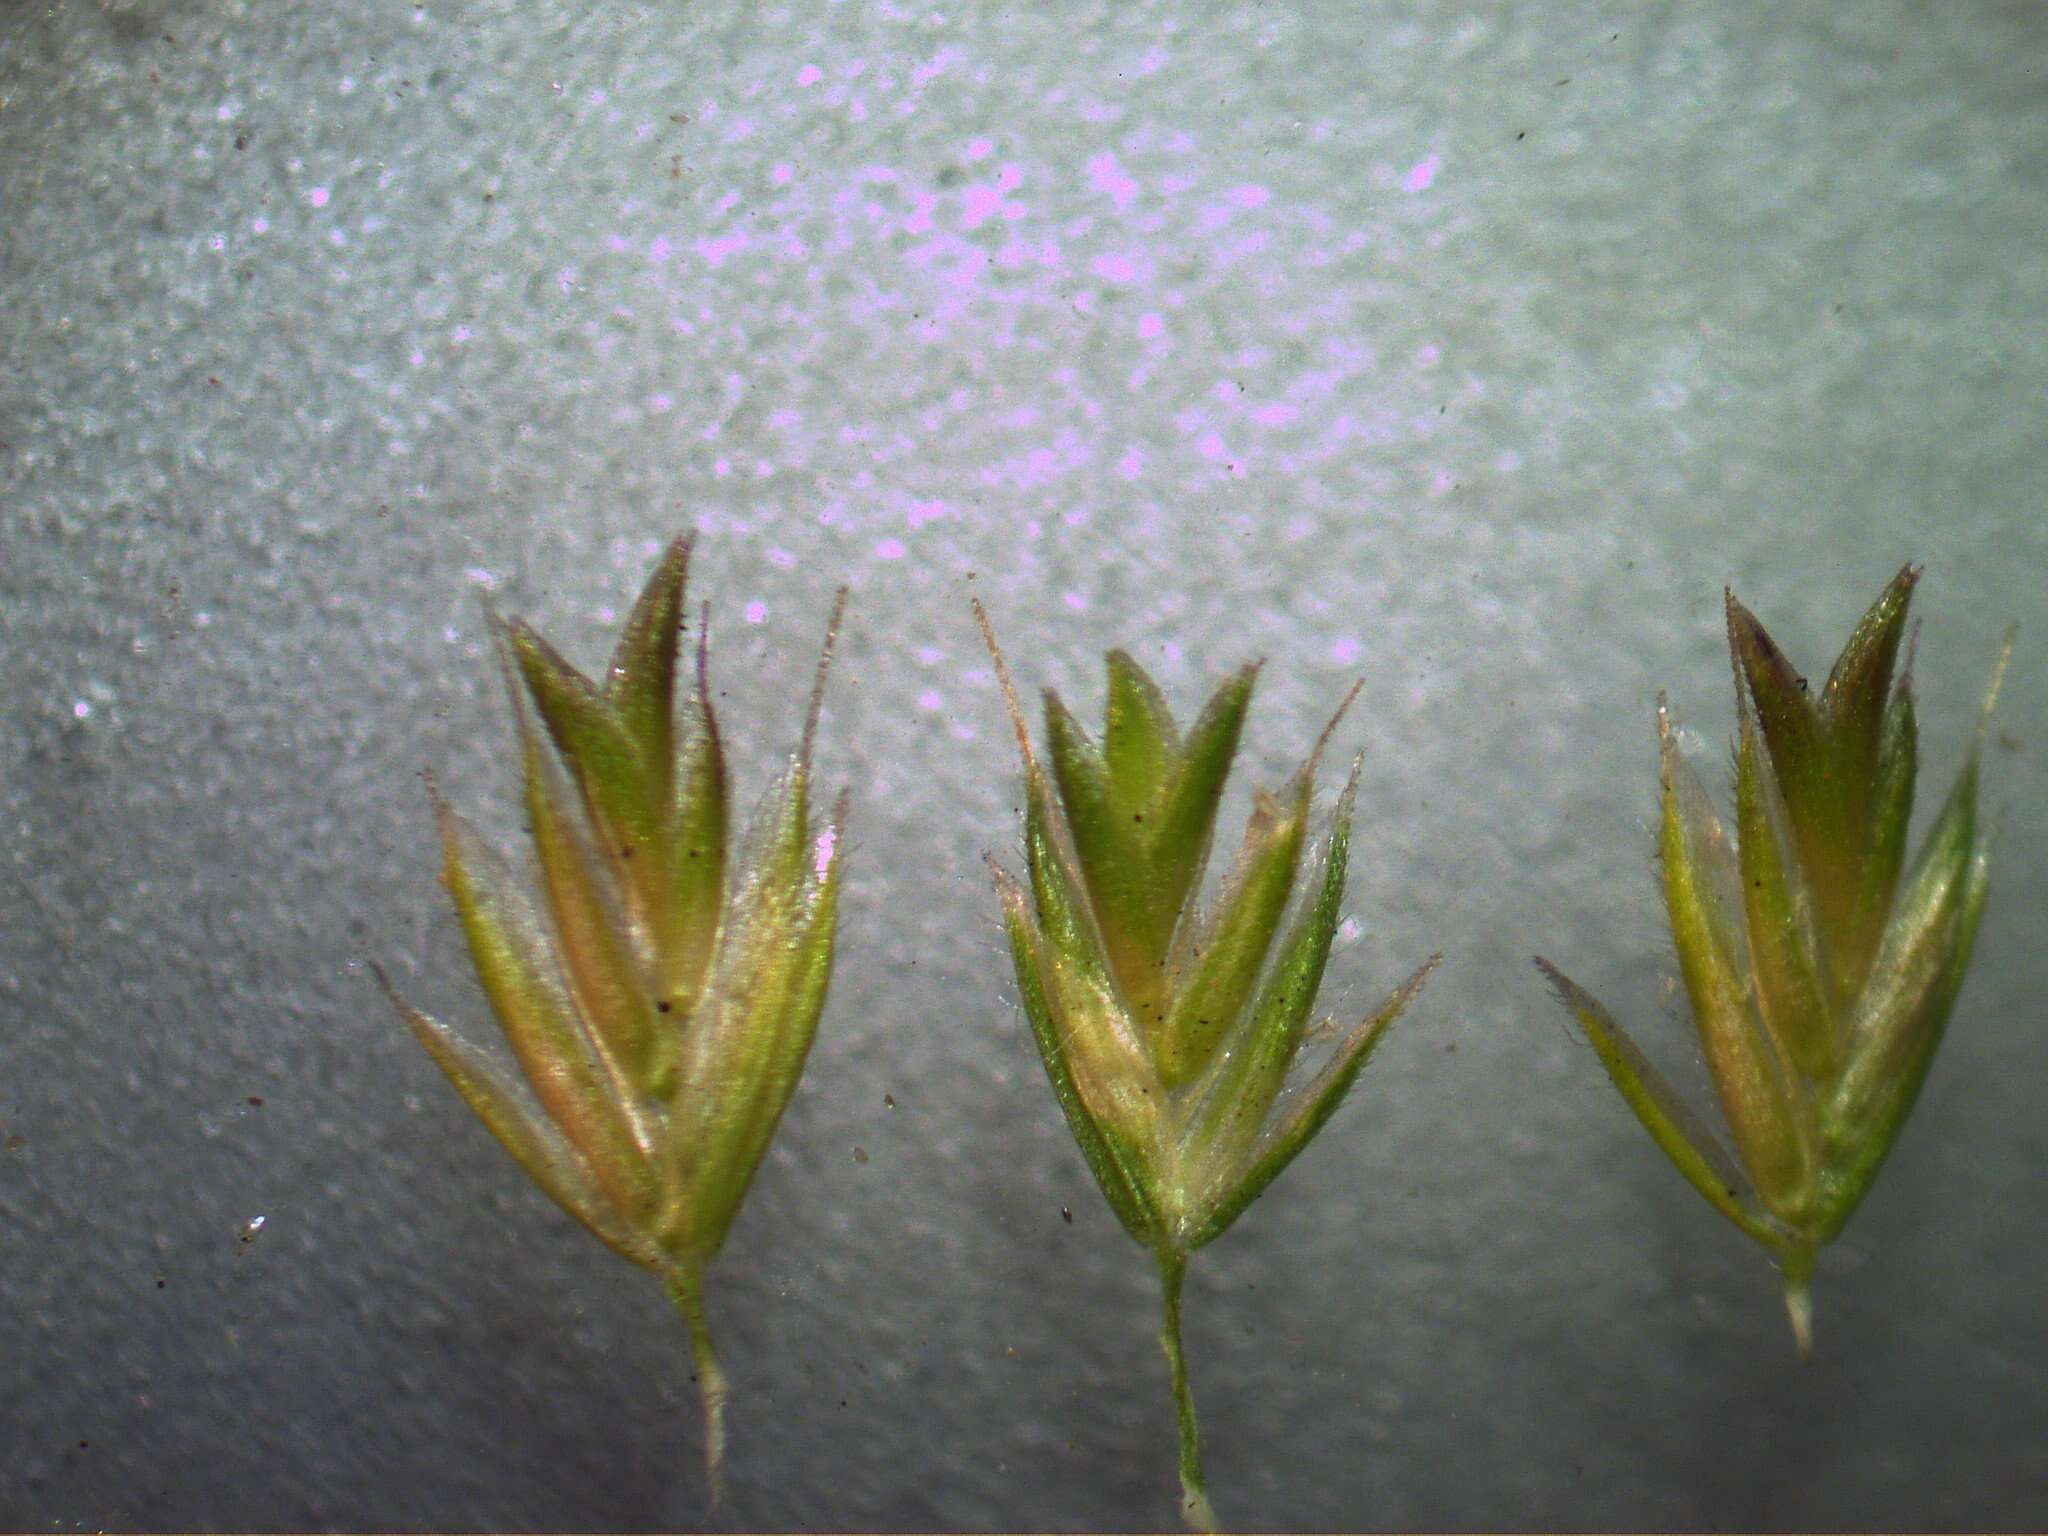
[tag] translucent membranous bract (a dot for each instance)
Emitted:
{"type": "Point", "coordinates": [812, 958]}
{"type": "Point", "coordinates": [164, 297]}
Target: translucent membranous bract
{"type": "Point", "coordinates": [1820, 961]}
{"type": "Point", "coordinates": [1168, 1028]}
{"type": "Point", "coordinates": [661, 994]}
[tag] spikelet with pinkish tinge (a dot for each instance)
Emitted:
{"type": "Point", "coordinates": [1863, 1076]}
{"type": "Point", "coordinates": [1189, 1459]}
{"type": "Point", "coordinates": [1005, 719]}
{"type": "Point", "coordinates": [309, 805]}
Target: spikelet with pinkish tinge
{"type": "Point", "coordinates": [661, 996]}
{"type": "Point", "coordinates": [1821, 966]}
{"type": "Point", "coordinates": [1169, 1032]}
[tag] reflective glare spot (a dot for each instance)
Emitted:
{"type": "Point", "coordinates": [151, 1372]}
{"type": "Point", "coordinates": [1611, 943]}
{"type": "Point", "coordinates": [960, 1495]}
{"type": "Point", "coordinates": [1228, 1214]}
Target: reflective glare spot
{"type": "Point", "coordinates": [1105, 175]}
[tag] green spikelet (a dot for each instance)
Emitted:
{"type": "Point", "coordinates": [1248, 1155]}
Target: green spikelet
{"type": "Point", "coordinates": [1821, 968]}
{"type": "Point", "coordinates": [660, 995]}
{"type": "Point", "coordinates": [1169, 1032]}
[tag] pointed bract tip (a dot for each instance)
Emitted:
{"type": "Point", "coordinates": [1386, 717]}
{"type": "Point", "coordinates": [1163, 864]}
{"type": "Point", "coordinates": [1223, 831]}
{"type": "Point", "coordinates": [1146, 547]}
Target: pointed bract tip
{"type": "Point", "coordinates": [988, 636]}
{"type": "Point", "coordinates": [1559, 983]}
{"type": "Point", "coordinates": [817, 703]}
{"type": "Point", "coordinates": [494, 620]}
{"type": "Point", "coordinates": [1347, 797]}
{"type": "Point", "coordinates": [666, 583]}
{"type": "Point", "coordinates": [1407, 990]}
{"type": "Point", "coordinates": [503, 643]}
{"type": "Point", "coordinates": [2005, 645]}
{"type": "Point", "coordinates": [411, 1017]}
{"type": "Point", "coordinates": [1737, 617]}
{"type": "Point", "coordinates": [1117, 657]}
{"type": "Point", "coordinates": [383, 976]}
{"type": "Point", "coordinates": [1667, 740]}
{"type": "Point", "coordinates": [1749, 641]}
{"type": "Point", "coordinates": [1315, 756]}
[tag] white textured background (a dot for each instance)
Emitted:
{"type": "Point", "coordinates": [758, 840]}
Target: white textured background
{"type": "Point", "coordinates": [1467, 352]}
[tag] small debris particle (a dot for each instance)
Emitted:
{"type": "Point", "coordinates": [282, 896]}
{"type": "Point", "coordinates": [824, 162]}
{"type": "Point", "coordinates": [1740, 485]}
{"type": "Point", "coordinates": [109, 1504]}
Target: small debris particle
{"type": "Point", "coordinates": [888, 1101]}
{"type": "Point", "coordinates": [1066, 1215]}
{"type": "Point", "coordinates": [255, 1101]}
{"type": "Point", "coordinates": [860, 1154]}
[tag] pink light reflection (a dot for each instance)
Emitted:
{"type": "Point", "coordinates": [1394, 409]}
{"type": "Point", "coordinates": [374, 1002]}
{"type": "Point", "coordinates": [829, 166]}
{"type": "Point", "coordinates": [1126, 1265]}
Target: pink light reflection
{"type": "Point", "coordinates": [1422, 174]}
